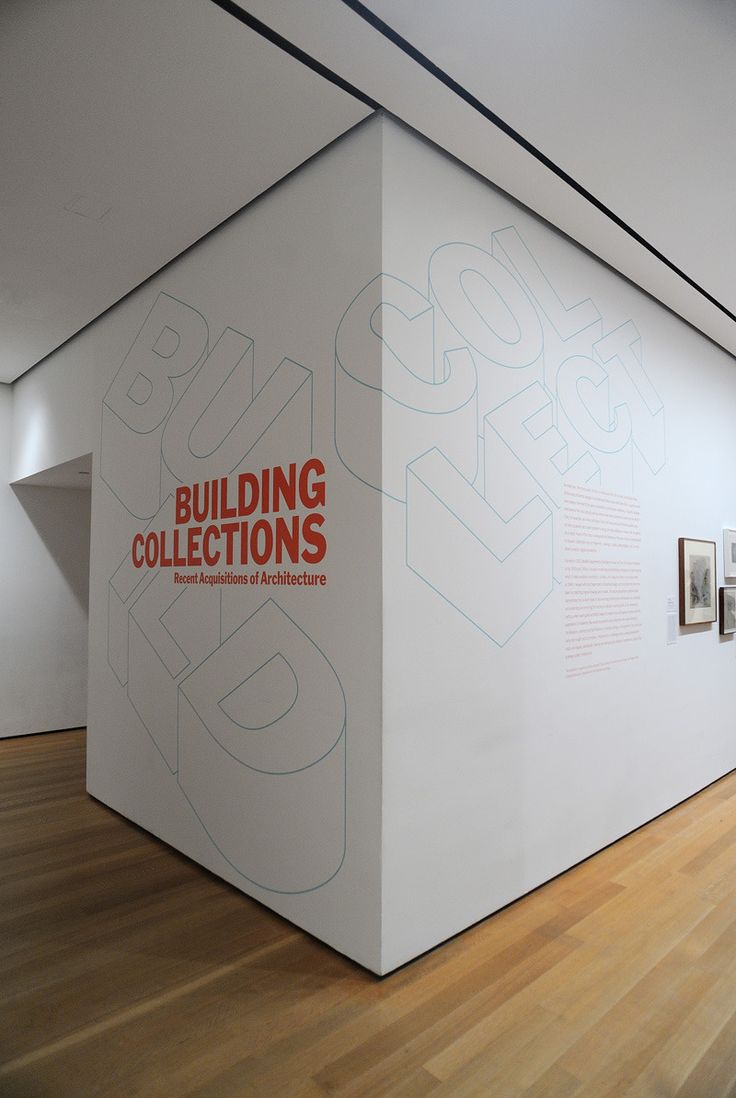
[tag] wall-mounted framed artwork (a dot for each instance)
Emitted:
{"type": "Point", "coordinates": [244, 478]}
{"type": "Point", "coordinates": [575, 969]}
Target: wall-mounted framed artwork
{"type": "Point", "coordinates": [729, 554]}
{"type": "Point", "coordinates": [697, 581]}
{"type": "Point", "coordinates": [726, 610]}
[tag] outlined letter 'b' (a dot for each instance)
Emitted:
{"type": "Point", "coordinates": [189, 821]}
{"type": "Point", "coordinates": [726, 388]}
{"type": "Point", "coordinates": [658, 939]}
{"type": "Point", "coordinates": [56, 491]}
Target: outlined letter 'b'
{"type": "Point", "coordinates": [171, 342]}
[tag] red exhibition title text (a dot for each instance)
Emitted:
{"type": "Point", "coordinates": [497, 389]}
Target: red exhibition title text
{"type": "Point", "coordinates": [215, 521]}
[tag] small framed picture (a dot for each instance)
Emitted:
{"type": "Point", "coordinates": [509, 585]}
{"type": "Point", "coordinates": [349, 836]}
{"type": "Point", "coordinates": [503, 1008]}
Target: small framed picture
{"type": "Point", "coordinates": [697, 581]}
{"type": "Point", "coordinates": [729, 554]}
{"type": "Point", "coordinates": [726, 610]}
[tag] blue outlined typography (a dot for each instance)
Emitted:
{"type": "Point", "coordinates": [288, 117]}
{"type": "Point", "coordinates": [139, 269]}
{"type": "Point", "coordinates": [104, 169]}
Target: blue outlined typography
{"type": "Point", "coordinates": [252, 725]}
{"type": "Point", "coordinates": [388, 385]}
{"type": "Point", "coordinates": [171, 342]}
{"type": "Point", "coordinates": [555, 401]}
{"type": "Point", "coordinates": [262, 724]}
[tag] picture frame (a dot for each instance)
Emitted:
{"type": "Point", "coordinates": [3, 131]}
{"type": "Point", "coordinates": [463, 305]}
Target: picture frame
{"type": "Point", "coordinates": [729, 554]}
{"type": "Point", "coordinates": [726, 610]}
{"type": "Point", "coordinates": [697, 570]}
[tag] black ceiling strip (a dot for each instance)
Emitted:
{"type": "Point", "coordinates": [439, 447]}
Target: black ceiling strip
{"type": "Point", "coordinates": [283, 43]}
{"type": "Point", "coordinates": [190, 247]}
{"type": "Point", "coordinates": [421, 59]}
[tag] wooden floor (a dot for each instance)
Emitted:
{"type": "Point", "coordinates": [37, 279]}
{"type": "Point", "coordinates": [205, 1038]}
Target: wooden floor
{"type": "Point", "coordinates": [127, 970]}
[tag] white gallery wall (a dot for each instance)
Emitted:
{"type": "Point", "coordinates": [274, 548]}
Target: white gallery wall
{"type": "Point", "coordinates": [533, 708]}
{"type": "Point", "coordinates": [389, 478]}
{"type": "Point", "coordinates": [44, 576]}
{"type": "Point", "coordinates": [239, 723]}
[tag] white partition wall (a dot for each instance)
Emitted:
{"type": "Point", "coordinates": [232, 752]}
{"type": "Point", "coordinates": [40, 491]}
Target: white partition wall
{"type": "Point", "coordinates": [235, 700]}
{"type": "Point", "coordinates": [549, 433]}
{"type": "Point", "coordinates": [44, 579]}
{"type": "Point", "coordinates": [388, 488]}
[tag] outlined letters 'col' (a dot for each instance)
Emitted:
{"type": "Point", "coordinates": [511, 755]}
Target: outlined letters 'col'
{"type": "Point", "coordinates": [262, 726]}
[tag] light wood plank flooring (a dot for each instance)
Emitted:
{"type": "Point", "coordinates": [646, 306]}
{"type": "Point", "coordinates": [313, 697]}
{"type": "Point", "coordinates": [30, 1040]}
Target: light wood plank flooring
{"type": "Point", "coordinates": [127, 970]}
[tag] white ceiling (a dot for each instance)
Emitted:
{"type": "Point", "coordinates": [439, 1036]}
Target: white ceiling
{"type": "Point", "coordinates": [635, 100]}
{"type": "Point", "coordinates": [127, 131]}
{"type": "Point", "coordinates": [76, 473]}
{"type": "Point", "coordinates": [130, 129]}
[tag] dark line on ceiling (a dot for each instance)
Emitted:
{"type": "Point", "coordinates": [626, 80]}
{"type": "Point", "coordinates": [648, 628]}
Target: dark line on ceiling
{"type": "Point", "coordinates": [194, 244]}
{"type": "Point", "coordinates": [283, 43]}
{"type": "Point", "coordinates": [434, 70]}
